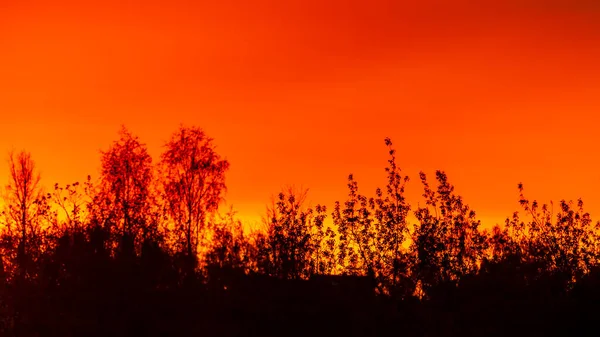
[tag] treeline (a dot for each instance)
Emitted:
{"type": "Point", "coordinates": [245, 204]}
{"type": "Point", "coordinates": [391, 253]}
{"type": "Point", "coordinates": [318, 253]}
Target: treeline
{"type": "Point", "coordinates": [143, 251]}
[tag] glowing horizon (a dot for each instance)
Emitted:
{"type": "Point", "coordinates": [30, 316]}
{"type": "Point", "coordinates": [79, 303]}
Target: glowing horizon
{"type": "Point", "coordinates": [304, 92]}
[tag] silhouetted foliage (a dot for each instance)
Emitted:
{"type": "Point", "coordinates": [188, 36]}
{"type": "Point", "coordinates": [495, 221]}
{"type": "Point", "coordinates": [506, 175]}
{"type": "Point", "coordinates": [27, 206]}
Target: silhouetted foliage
{"type": "Point", "coordinates": [291, 246]}
{"type": "Point", "coordinates": [564, 244]}
{"type": "Point", "coordinates": [228, 247]}
{"type": "Point", "coordinates": [124, 191]}
{"type": "Point", "coordinates": [144, 251]}
{"type": "Point", "coordinates": [26, 209]}
{"type": "Point", "coordinates": [193, 180]}
{"type": "Point", "coordinates": [372, 232]}
{"type": "Point", "coordinates": [447, 240]}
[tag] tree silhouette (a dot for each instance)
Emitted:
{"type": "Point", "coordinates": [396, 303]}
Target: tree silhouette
{"type": "Point", "coordinates": [25, 209]}
{"type": "Point", "coordinates": [124, 189]}
{"type": "Point", "coordinates": [193, 181]}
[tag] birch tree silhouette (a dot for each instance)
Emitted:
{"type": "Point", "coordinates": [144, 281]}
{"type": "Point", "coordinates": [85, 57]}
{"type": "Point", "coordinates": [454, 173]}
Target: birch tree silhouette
{"type": "Point", "coordinates": [193, 183]}
{"type": "Point", "coordinates": [124, 190]}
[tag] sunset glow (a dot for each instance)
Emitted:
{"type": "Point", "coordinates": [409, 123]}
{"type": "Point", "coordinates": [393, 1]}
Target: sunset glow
{"type": "Point", "coordinates": [304, 92]}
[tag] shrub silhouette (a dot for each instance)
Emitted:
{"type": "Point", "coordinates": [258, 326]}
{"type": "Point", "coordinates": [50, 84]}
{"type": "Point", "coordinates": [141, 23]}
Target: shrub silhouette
{"type": "Point", "coordinates": [372, 232]}
{"type": "Point", "coordinates": [447, 241]}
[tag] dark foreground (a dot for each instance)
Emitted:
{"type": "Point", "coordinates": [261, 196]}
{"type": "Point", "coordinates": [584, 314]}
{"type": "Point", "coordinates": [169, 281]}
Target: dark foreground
{"type": "Point", "coordinates": [122, 302]}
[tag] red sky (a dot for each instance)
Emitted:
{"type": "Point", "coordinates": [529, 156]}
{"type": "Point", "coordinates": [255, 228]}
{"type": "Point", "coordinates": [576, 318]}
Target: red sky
{"type": "Point", "coordinates": [304, 92]}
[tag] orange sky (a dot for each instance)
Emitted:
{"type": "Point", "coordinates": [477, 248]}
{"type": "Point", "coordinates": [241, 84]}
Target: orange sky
{"type": "Point", "coordinates": [304, 91]}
